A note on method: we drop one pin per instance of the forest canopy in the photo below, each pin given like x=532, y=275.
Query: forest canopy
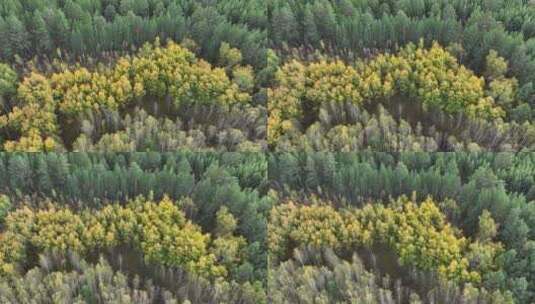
x=267, y=151
x=491, y=41
x=411, y=75
x=164, y=221
x=418, y=227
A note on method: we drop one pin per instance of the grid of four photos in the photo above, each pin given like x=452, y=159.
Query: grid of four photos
x=267, y=151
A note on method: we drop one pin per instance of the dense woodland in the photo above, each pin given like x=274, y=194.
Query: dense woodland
x=402, y=75
x=133, y=228
x=83, y=75
x=277, y=151
x=429, y=227
x=285, y=75
x=276, y=228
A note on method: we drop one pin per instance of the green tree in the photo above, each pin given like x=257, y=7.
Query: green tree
x=19, y=171
x=58, y=169
x=8, y=84
x=284, y=26
x=311, y=35
x=325, y=20
x=16, y=37
x=58, y=27
x=41, y=39
x=42, y=178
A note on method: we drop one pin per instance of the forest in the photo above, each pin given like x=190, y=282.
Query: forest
x=133, y=228
x=402, y=227
x=132, y=75
x=192, y=227
x=407, y=75
x=276, y=75
x=267, y=151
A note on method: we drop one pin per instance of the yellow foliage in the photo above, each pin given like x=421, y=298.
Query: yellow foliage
x=156, y=71
x=160, y=230
x=418, y=233
x=431, y=76
x=33, y=142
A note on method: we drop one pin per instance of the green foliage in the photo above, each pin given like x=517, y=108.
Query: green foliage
x=8, y=82
x=98, y=28
x=484, y=39
x=474, y=240
x=205, y=245
x=351, y=29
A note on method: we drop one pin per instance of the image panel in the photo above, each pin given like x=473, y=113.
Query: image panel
x=133, y=228
x=398, y=76
x=401, y=228
x=136, y=75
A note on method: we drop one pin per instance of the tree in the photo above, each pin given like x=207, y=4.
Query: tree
x=20, y=172
x=325, y=20
x=244, y=78
x=8, y=84
x=504, y=92
x=43, y=181
x=229, y=56
x=515, y=230
x=496, y=66
x=17, y=37
x=5, y=207
x=311, y=35
x=110, y=12
x=41, y=39
x=58, y=27
x=284, y=26
x=126, y=6
x=487, y=227
x=58, y=169
x=225, y=222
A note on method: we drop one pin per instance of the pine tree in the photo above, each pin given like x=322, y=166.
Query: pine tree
x=20, y=173
x=325, y=21
x=311, y=36
x=58, y=27
x=17, y=38
x=8, y=86
x=58, y=169
x=44, y=183
x=284, y=26
x=41, y=39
